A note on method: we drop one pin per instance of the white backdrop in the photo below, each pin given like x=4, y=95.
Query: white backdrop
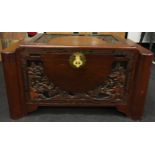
x=135, y=36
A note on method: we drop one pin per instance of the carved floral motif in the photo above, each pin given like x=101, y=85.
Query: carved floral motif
x=41, y=88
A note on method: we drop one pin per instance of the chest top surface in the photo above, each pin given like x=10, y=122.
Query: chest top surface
x=78, y=41
x=97, y=41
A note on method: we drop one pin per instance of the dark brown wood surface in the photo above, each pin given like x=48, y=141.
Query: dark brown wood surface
x=14, y=92
x=82, y=79
x=38, y=73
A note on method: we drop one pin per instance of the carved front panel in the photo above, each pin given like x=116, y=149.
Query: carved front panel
x=112, y=86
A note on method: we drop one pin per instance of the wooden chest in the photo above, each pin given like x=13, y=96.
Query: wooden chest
x=76, y=71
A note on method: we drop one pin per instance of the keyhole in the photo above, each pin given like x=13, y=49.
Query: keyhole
x=77, y=61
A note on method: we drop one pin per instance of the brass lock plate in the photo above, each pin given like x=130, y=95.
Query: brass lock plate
x=77, y=60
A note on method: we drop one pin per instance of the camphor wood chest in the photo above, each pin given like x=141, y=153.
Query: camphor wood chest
x=76, y=71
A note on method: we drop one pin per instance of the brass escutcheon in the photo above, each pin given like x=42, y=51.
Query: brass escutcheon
x=77, y=60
